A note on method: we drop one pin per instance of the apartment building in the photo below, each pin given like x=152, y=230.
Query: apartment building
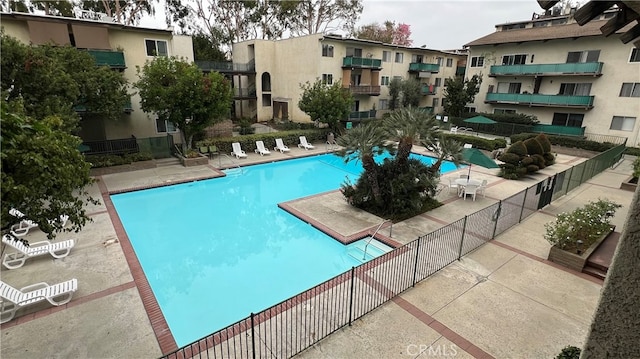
x=567, y=75
x=276, y=69
x=118, y=46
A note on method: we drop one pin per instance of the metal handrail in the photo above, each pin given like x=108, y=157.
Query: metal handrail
x=373, y=235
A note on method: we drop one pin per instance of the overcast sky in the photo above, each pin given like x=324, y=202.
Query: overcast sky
x=439, y=24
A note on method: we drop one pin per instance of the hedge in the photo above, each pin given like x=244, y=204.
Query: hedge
x=567, y=141
x=248, y=142
x=478, y=142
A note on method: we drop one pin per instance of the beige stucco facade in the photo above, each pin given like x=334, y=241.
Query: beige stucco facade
x=129, y=40
x=366, y=67
x=612, y=111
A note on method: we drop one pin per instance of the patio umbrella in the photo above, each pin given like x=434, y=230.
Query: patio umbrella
x=481, y=120
x=474, y=156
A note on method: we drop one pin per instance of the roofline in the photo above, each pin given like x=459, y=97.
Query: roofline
x=49, y=18
x=380, y=43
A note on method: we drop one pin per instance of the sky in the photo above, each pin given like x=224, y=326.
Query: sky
x=438, y=24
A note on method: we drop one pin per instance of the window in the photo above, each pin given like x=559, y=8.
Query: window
x=435, y=102
x=386, y=56
x=383, y=104
x=503, y=110
x=477, y=61
x=509, y=87
x=583, y=56
x=385, y=80
x=164, y=126
x=416, y=58
x=469, y=109
x=520, y=59
x=570, y=89
x=513, y=26
x=327, y=50
x=567, y=119
x=449, y=62
x=438, y=82
x=635, y=55
x=327, y=79
x=623, y=123
x=399, y=57
x=541, y=23
x=266, y=100
x=439, y=61
x=156, y=47
x=558, y=21
x=630, y=89
x=354, y=52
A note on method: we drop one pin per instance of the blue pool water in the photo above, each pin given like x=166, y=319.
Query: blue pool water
x=216, y=250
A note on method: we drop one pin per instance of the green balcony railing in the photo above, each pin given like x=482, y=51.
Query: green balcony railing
x=580, y=68
x=559, y=130
x=362, y=115
x=228, y=66
x=420, y=67
x=540, y=100
x=429, y=90
x=114, y=59
x=361, y=62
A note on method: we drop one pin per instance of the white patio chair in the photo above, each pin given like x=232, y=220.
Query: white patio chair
x=453, y=185
x=25, y=225
x=14, y=299
x=468, y=145
x=483, y=187
x=237, y=150
x=23, y=252
x=304, y=144
x=454, y=129
x=280, y=146
x=261, y=149
x=469, y=190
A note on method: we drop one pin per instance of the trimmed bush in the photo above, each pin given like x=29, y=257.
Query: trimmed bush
x=248, y=142
x=549, y=158
x=538, y=160
x=544, y=142
x=532, y=168
x=518, y=148
x=533, y=146
x=511, y=158
x=99, y=161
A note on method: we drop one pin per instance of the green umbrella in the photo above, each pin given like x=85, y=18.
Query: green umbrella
x=474, y=156
x=481, y=120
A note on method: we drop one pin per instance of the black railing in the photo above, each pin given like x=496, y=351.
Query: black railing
x=112, y=147
x=297, y=323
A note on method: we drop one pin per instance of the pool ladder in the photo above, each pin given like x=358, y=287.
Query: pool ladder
x=235, y=165
x=373, y=235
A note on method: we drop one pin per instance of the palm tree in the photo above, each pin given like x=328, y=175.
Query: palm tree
x=406, y=126
x=364, y=143
x=446, y=149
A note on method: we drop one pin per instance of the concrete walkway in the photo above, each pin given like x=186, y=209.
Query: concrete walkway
x=502, y=300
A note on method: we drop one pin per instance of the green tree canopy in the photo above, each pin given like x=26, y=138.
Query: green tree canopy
x=51, y=81
x=43, y=173
x=388, y=33
x=177, y=91
x=325, y=103
x=205, y=49
x=458, y=93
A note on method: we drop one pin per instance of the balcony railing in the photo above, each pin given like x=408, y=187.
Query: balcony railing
x=362, y=115
x=114, y=59
x=421, y=67
x=365, y=90
x=244, y=91
x=429, y=90
x=361, y=62
x=208, y=66
x=580, y=68
x=541, y=100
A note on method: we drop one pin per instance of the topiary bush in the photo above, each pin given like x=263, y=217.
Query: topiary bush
x=518, y=148
x=569, y=352
x=533, y=146
x=544, y=142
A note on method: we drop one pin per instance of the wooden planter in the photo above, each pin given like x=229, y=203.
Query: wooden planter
x=573, y=260
x=627, y=185
x=195, y=161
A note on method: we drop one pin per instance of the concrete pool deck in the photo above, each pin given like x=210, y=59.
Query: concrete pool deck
x=502, y=300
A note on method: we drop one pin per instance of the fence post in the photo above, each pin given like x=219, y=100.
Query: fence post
x=566, y=190
x=415, y=267
x=524, y=201
x=253, y=338
x=464, y=230
x=496, y=217
x=353, y=269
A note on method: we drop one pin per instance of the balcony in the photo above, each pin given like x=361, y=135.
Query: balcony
x=538, y=100
x=208, y=66
x=580, y=68
x=113, y=59
x=362, y=115
x=421, y=67
x=361, y=62
x=365, y=90
x=429, y=90
x=244, y=92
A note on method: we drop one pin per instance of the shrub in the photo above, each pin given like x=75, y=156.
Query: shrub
x=569, y=352
x=533, y=146
x=539, y=161
x=579, y=229
x=532, y=168
x=518, y=148
x=549, y=158
x=511, y=158
x=99, y=161
x=636, y=168
x=544, y=142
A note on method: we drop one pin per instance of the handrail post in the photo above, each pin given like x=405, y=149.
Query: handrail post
x=497, y=217
x=415, y=266
x=253, y=338
x=353, y=269
x=524, y=201
x=464, y=229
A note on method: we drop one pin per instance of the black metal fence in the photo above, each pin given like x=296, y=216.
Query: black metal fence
x=297, y=323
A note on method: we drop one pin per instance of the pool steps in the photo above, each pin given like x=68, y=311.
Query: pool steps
x=375, y=249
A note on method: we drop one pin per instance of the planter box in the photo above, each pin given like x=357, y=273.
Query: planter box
x=573, y=260
x=195, y=161
x=627, y=185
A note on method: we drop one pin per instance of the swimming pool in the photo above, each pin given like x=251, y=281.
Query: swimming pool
x=216, y=250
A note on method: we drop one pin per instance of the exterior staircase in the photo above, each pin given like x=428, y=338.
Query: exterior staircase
x=599, y=261
x=169, y=161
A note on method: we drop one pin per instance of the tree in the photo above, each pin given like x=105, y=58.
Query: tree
x=445, y=148
x=459, y=92
x=177, y=91
x=325, y=103
x=411, y=93
x=205, y=49
x=312, y=17
x=406, y=126
x=53, y=80
x=389, y=33
x=43, y=173
x=395, y=89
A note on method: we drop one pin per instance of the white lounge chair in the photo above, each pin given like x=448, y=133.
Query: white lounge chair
x=14, y=299
x=261, y=149
x=16, y=260
x=304, y=144
x=454, y=129
x=237, y=150
x=280, y=146
x=25, y=225
x=468, y=145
